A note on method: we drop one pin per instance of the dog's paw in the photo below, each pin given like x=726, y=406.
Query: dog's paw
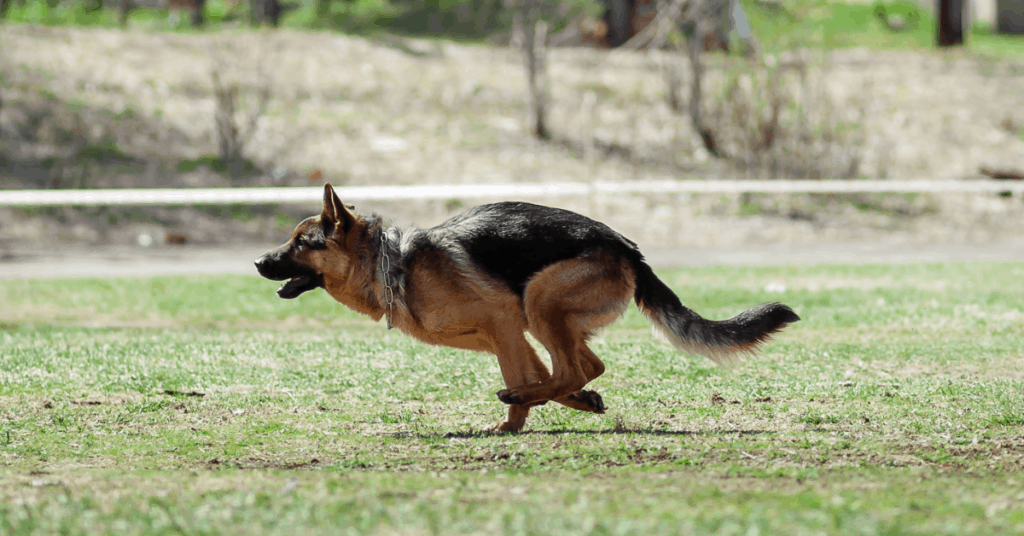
x=509, y=397
x=591, y=399
x=508, y=427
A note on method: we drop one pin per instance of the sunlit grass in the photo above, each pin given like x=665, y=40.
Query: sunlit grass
x=804, y=23
x=823, y=24
x=208, y=405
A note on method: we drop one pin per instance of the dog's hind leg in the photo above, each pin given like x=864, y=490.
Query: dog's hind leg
x=565, y=303
x=524, y=367
x=585, y=400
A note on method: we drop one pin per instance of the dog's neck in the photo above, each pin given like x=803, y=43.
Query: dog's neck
x=390, y=275
x=358, y=286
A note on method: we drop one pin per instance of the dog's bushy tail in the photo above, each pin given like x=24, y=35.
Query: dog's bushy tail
x=721, y=341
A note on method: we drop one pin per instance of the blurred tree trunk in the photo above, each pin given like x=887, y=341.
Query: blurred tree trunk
x=696, y=46
x=229, y=148
x=619, y=17
x=951, y=23
x=673, y=80
x=663, y=24
x=198, y=16
x=123, y=8
x=482, y=15
x=255, y=8
x=272, y=12
x=534, y=49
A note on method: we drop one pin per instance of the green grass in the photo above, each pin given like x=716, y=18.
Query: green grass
x=824, y=24
x=106, y=151
x=218, y=165
x=84, y=13
x=352, y=16
x=205, y=405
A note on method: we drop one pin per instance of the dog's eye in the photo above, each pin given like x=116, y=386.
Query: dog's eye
x=314, y=244
x=308, y=244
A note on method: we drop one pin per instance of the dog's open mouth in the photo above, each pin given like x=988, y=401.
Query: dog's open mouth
x=297, y=285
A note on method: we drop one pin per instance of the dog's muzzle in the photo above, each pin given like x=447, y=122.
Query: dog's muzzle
x=276, y=267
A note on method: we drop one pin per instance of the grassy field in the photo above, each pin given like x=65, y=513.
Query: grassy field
x=205, y=405
x=824, y=24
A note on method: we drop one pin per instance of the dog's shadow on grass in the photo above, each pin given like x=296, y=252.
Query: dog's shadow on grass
x=476, y=434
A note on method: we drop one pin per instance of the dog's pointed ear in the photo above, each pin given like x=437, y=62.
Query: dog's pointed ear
x=335, y=215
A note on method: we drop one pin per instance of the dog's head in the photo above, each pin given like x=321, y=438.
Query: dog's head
x=317, y=245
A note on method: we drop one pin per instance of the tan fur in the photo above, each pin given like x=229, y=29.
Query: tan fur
x=563, y=306
x=444, y=286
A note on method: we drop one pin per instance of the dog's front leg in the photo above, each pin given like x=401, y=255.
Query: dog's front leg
x=520, y=366
x=516, y=419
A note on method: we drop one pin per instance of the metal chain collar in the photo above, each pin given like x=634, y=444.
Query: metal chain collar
x=385, y=267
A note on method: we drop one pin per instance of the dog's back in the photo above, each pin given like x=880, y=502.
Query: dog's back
x=513, y=241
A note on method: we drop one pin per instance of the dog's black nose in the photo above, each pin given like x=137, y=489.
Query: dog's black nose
x=267, y=268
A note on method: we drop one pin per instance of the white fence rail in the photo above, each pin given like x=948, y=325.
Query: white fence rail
x=223, y=196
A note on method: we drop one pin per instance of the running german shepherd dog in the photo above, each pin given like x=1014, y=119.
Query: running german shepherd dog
x=482, y=279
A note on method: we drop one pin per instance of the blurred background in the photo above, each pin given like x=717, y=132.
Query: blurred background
x=257, y=93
